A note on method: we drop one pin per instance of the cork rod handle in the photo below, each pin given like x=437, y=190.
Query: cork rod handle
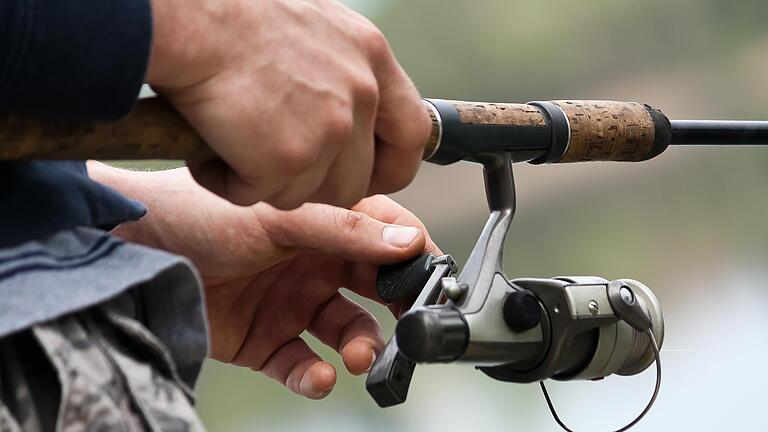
x=153, y=130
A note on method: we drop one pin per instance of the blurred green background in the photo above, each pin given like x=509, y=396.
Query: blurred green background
x=691, y=224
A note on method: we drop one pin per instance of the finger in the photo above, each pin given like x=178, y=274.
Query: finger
x=299, y=369
x=215, y=175
x=361, y=279
x=238, y=174
x=386, y=210
x=304, y=187
x=402, y=126
x=351, y=330
x=349, y=177
x=352, y=235
x=340, y=173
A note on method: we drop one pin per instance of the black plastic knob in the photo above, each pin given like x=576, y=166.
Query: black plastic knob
x=405, y=280
x=432, y=334
x=521, y=310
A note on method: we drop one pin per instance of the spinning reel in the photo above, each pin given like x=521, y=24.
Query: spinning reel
x=521, y=330
x=528, y=330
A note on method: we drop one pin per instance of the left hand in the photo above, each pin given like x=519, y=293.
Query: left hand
x=300, y=100
x=270, y=275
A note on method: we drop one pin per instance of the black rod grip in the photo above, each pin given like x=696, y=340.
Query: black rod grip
x=405, y=280
x=469, y=129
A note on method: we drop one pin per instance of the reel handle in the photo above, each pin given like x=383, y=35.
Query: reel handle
x=404, y=280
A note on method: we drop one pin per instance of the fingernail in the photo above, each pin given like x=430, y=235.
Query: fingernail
x=399, y=236
x=307, y=388
x=373, y=360
x=305, y=385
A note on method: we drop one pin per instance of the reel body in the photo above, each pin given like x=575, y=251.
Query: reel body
x=521, y=330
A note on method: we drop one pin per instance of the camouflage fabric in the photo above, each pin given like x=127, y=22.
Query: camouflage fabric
x=95, y=370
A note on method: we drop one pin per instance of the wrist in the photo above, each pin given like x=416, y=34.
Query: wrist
x=124, y=181
x=183, y=41
x=132, y=184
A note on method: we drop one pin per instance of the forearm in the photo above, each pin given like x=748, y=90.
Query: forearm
x=141, y=186
x=178, y=208
x=183, y=217
x=131, y=183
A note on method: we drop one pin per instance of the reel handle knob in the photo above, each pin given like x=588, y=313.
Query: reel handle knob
x=405, y=280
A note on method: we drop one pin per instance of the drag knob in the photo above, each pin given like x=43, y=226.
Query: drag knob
x=521, y=310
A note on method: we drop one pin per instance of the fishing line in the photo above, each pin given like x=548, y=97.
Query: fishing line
x=657, y=387
x=705, y=350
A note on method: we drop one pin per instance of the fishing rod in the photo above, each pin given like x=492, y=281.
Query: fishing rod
x=537, y=132
x=521, y=330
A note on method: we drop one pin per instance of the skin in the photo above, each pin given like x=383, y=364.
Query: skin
x=300, y=100
x=269, y=274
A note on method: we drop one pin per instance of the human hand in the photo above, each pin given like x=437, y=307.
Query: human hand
x=269, y=275
x=301, y=100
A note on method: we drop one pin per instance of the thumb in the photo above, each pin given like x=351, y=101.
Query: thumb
x=352, y=235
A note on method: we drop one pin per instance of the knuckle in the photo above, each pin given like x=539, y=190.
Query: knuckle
x=339, y=125
x=374, y=40
x=400, y=179
x=349, y=220
x=296, y=157
x=366, y=92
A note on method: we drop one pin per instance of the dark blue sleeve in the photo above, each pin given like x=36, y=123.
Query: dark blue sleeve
x=81, y=59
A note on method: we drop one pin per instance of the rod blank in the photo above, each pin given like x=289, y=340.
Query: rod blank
x=719, y=132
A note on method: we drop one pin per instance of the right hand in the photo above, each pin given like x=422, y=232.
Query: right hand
x=271, y=275
x=301, y=100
